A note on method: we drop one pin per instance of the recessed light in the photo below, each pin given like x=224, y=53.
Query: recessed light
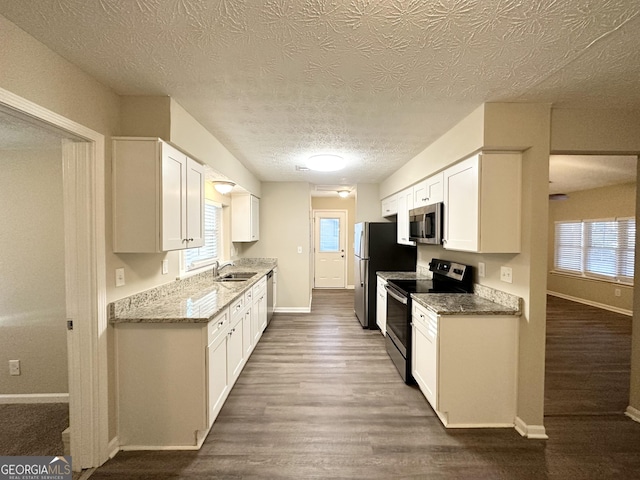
x=325, y=163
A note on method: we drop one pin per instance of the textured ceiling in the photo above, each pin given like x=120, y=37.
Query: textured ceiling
x=570, y=173
x=374, y=81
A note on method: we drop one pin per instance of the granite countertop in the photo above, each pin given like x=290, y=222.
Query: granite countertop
x=196, y=299
x=463, y=304
x=402, y=276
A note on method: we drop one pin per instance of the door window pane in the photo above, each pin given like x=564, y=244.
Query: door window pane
x=329, y=235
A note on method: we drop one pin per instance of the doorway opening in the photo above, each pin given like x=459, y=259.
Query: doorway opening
x=80, y=153
x=588, y=348
x=329, y=248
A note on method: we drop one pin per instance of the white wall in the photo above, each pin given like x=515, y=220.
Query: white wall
x=32, y=292
x=285, y=225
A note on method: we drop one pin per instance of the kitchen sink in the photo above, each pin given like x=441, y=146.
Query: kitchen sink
x=235, y=277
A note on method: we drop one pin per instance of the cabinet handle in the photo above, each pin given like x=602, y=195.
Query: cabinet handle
x=221, y=323
x=425, y=199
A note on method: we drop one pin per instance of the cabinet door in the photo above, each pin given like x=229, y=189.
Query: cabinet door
x=216, y=376
x=234, y=351
x=256, y=332
x=381, y=307
x=390, y=206
x=195, y=204
x=262, y=312
x=425, y=356
x=461, y=205
x=255, y=218
x=174, y=188
x=434, y=187
x=420, y=194
x=247, y=337
x=405, y=203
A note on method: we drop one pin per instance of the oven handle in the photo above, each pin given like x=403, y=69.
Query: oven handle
x=395, y=294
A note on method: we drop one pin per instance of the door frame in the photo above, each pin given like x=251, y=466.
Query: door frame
x=85, y=280
x=346, y=239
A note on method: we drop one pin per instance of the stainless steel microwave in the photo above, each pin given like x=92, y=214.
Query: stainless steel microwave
x=425, y=224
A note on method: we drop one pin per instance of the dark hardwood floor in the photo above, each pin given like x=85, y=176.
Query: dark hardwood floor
x=588, y=360
x=319, y=398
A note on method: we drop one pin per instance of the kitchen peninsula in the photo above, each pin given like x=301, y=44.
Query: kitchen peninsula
x=179, y=349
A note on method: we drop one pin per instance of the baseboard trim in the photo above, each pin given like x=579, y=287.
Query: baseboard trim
x=34, y=398
x=293, y=310
x=534, y=432
x=633, y=414
x=603, y=306
x=113, y=447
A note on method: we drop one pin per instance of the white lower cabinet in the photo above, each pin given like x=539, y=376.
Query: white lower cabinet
x=173, y=378
x=217, y=377
x=235, y=351
x=466, y=366
x=259, y=309
x=381, y=306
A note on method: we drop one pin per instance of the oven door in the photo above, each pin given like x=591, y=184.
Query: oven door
x=397, y=318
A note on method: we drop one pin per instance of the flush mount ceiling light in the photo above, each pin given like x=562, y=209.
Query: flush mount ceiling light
x=223, y=187
x=343, y=193
x=325, y=163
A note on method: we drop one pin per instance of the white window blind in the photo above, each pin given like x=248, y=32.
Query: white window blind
x=209, y=252
x=597, y=248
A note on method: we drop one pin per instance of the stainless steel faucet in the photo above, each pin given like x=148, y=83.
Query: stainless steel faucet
x=216, y=266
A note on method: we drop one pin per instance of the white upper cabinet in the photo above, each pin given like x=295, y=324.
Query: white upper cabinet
x=405, y=203
x=482, y=198
x=428, y=191
x=245, y=218
x=158, y=197
x=390, y=206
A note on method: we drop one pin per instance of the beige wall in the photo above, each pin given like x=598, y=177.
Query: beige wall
x=32, y=293
x=462, y=140
x=523, y=127
x=285, y=225
x=348, y=204
x=191, y=136
x=368, y=203
x=607, y=202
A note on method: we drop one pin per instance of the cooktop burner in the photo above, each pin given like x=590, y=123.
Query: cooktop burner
x=448, y=277
x=413, y=286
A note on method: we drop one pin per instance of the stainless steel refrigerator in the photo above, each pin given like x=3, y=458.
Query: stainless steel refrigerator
x=376, y=249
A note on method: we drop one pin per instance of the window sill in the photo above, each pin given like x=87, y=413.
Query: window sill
x=590, y=279
x=195, y=271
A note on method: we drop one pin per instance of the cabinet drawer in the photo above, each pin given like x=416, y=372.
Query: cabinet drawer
x=260, y=288
x=236, y=308
x=217, y=326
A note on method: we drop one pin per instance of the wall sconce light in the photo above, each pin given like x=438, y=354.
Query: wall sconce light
x=343, y=193
x=223, y=187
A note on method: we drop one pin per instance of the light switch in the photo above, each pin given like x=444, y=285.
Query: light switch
x=299, y=249
x=119, y=277
x=481, y=271
x=165, y=266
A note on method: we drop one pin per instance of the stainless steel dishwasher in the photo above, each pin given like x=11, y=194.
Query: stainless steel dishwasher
x=269, y=297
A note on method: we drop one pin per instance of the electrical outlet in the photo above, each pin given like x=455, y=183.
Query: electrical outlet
x=481, y=271
x=14, y=367
x=165, y=266
x=617, y=292
x=506, y=274
x=119, y=277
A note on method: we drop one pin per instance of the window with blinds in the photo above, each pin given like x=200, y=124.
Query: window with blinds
x=208, y=253
x=602, y=249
